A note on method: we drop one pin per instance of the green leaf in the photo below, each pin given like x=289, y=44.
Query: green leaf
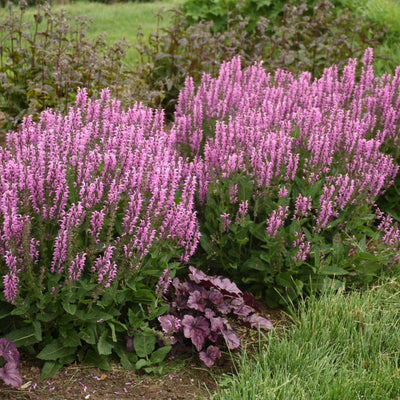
x=332, y=270
x=37, y=326
x=69, y=308
x=259, y=231
x=206, y=244
x=369, y=268
x=46, y=317
x=144, y=343
x=128, y=360
x=56, y=350
x=88, y=334
x=93, y=316
x=5, y=310
x=104, y=347
x=24, y=336
x=254, y=263
x=113, y=335
x=99, y=361
x=49, y=369
x=160, y=354
x=142, y=363
x=69, y=333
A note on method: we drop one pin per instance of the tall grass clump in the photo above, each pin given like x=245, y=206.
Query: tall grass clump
x=289, y=170
x=94, y=206
x=342, y=346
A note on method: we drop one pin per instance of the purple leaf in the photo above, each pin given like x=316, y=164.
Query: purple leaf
x=232, y=340
x=210, y=355
x=208, y=313
x=197, y=275
x=196, y=328
x=250, y=301
x=10, y=374
x=220, y=283
x=213, y=336
x=196, y=301
x=217, y=324
x=215, y=296
x=256, y=322
x=9, y=351
x=239, y=307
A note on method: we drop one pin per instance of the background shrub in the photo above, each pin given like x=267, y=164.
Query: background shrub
x=47, y=56
x=300, y=38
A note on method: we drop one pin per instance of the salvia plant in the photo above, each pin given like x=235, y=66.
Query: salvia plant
x=10, y=356
x=199, y=310
x=289, y=170
x=94, y=206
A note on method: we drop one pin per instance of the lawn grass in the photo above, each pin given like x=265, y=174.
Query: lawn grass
x=123, y=20
x=342, y=346
x=385, y=13
x=118, y=20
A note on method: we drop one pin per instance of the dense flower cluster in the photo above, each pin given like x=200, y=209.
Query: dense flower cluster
x=278, y=129
x=98, y=187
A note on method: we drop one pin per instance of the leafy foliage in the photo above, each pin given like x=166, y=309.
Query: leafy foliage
x=199, y=311
x=220, y=12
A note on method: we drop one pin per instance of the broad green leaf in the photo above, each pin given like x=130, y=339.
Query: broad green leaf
x=206, y=244
x=46, y=316
x=98, y=360
x=369, y=268
x=24, y=336
x=113, y=335
x=56, y=350
x=88, y=334
x=142, y=363
x=38, y=330
x=255, y=263
x=104, y=347
x=93, y=316
x=128, y=360
x=144, y=343
x=70, y=308
x=160, y=354
x=49, y=369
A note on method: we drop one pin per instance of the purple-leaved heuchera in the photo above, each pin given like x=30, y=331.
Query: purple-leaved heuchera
x=9, y=372
x=200, y=310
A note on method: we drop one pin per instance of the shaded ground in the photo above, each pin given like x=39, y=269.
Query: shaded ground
x=79, y=382
x=183, y=380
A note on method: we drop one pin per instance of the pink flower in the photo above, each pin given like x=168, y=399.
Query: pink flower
x=276, y=220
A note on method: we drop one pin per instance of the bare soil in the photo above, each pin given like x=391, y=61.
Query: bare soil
x=81, y=382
